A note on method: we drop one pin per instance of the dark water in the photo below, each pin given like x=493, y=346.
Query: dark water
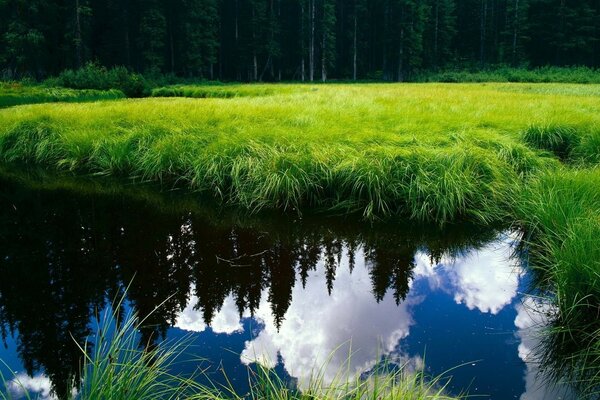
x=285, y=292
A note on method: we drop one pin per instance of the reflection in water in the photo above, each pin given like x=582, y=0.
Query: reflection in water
x=533, y=315
x=63, y=256
x=23, y=384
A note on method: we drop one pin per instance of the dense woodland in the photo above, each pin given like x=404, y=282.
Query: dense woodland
x=271, y=40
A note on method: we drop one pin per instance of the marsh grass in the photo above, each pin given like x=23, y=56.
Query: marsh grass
x=13, y=94
x=227, y=91
x=419, y=151
x=562, y=213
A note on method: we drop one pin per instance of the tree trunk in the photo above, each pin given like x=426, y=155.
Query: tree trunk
x=78, y=36
x=324, y=58
x=302, y=49
x=401, y=57
x=237, y=42
x=354, y=58
x=254, y=66
x=172, y=50
x=436, y=33
x=311, y=54
x=515, y=34
x=385, y=30
x=483, y=33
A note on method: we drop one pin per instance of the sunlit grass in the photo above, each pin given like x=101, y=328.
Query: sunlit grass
x=562, y=214
x=431, y=152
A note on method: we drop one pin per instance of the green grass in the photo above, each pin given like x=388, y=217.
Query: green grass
x=226, y=91
x=508, y=74
x=561, y=212
x=430, y=152
x=13, y=94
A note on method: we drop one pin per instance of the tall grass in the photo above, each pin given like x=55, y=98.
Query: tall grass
x=509, y=74
x=422, y=151
x=13, y=94
x=562, y=213
x=217, y=90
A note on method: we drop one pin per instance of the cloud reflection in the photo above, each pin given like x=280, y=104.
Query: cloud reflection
x=487, y=279
x=347, y=331
x=322, y=331
x=227, y=320
x=532, y=316
x=316, y=323
x=25, y=386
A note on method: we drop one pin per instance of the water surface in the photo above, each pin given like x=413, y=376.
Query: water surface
x=286, y=292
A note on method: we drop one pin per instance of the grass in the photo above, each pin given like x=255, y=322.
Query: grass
x=430, y=152
x=421, y=151
x=13, y=94
x=509, y=74
x=561, y=212
x=226, y=91
x=117, y=367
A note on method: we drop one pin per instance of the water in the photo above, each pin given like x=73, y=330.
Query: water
x=288, y=293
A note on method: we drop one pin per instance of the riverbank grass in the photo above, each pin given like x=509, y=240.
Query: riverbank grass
x=428, y=151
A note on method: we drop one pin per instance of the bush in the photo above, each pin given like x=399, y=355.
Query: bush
x=93, y=76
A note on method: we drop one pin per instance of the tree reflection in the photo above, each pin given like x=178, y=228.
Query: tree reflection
x=64, y=256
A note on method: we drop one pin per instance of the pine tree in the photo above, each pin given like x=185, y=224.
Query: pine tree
x=328, y=38
x=201, y=36
x=152, y=36
x=440, y=32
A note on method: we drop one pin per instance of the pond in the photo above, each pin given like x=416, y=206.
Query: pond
x=287, y=292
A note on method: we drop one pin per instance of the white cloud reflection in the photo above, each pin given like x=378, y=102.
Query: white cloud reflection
x=321, y=330
x=25, y=386
x=227, y=320
x=532, y=316
x=487, y=279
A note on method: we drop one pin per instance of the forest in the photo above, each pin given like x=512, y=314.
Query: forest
x=301, y=40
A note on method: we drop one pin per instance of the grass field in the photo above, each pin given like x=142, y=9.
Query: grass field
x=526, y=153
x=433, y=152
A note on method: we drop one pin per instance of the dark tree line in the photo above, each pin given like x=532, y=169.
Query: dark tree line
x=270, y=40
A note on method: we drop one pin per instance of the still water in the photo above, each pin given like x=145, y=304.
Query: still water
x=285, y=292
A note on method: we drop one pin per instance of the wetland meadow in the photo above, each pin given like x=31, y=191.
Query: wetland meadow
x=238, y=222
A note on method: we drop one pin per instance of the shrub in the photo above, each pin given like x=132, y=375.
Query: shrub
x=93, y=76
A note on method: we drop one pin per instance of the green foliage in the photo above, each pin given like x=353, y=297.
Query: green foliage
x=93, y=76
x=12, y=94
x=506, y=74
x=269, y=40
